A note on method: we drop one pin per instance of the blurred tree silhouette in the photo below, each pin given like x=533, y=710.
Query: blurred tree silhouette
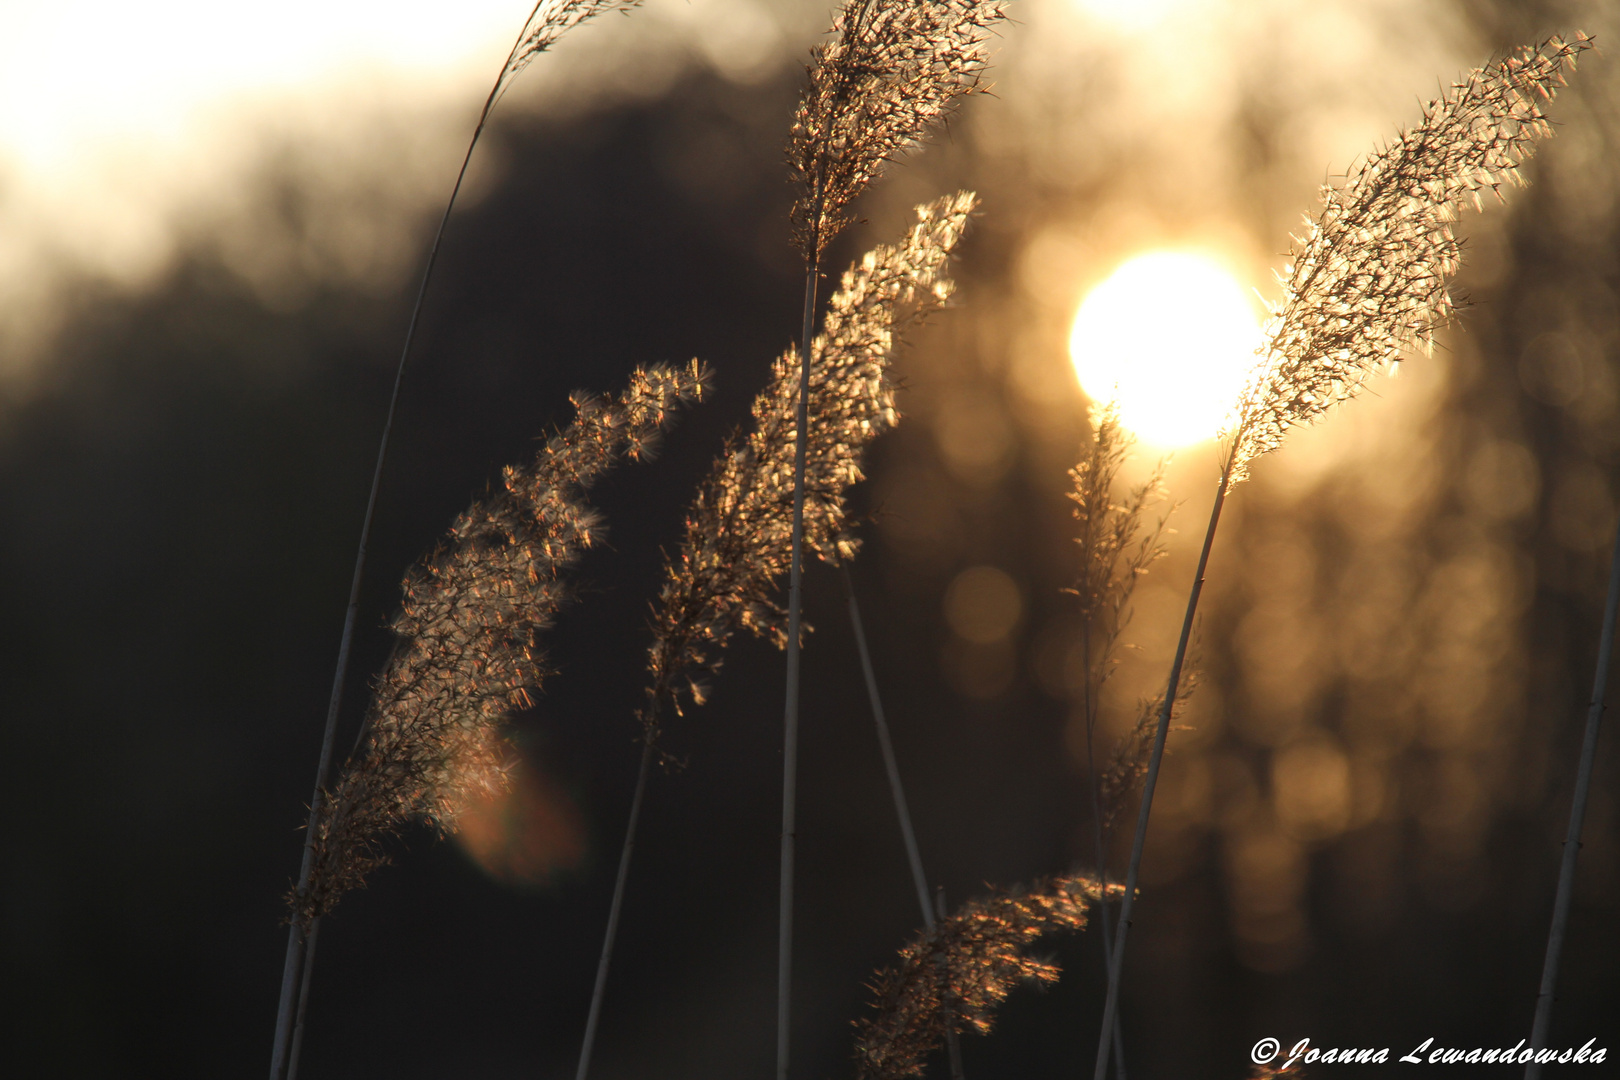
x=1360, y=838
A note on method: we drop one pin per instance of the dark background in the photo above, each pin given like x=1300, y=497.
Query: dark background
x=183, y=492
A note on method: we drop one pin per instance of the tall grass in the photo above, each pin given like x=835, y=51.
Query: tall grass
x=1116, y=546
x=769, y=488
x=951, y=976
x=1542, y=1022
x=466, y=650
x=892, y=69
x=1367, y=282
x=548, y=21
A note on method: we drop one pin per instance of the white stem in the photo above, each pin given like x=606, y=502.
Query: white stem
x=790, y=711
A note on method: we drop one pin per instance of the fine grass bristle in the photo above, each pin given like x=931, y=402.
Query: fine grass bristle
x=953, y=976
x=548, y=22
x=1368, y=281
x=892, y=69
x=726, y=574
x=467, y=652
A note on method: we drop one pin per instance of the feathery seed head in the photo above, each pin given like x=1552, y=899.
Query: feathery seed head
x=951, y=978
x=893, y=68
x=1368, y=280
x=740, y=526
x=550, y=20
x=1116, y=545
x=466, y=654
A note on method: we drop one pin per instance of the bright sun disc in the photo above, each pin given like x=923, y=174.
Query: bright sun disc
x=1171, y=335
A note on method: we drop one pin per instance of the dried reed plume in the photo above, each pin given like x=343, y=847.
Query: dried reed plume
x=748, y=511
x=1117, y=545
x=467, y=654
x=952, y=977
x=1127, y=764
x=1116, y=548
x=1367, y=281
x=894, y=68
x=737, y=545
x=547, y=22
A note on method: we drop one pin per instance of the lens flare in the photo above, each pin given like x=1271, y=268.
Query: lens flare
x=1171, y=335
x=526, y=834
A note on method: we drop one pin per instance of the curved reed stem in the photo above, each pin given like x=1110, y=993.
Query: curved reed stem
x=295, y=968
x=1577, y=816
x=890, y=766
x=919, y=880
x=547, y=21
x=790, y=711
x=1133, y=872
x=612, y=932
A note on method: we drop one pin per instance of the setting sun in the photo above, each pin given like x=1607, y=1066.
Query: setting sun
x=1171, y=335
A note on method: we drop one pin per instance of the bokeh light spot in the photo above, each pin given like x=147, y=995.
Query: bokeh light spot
x=983, y=605
x=524, y=835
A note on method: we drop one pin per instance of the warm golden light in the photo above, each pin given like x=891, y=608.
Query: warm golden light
x=1170, y=335
x=1136, y=14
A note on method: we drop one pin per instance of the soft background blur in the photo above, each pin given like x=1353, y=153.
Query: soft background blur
x=211, y=218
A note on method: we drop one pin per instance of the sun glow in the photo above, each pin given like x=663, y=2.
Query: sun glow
x=1133, y=14
x=1170, y=335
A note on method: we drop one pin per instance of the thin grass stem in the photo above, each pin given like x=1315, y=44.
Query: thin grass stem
x=1577, y=816
x=1103, y=917
x=919, y=880
x=1133, y=872
x=614, y=909
x=303, y=1000
x=953, y=1042
x=790, y=711
x=296, y=967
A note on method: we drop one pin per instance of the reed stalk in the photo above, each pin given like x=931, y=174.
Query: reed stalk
x=1577, y=817
x=892, y=70
x=547, y=22
x=790, y=708
x=891, y=767
x=612, y=935
x=466, y=653
x=897, y=791
x=1116, y=547
x=1367, y=282
x=738, y=534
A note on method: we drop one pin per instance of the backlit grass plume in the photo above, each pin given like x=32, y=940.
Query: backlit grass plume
x=952, y=977
x=467, y=654
x=1368, y=281
x=739, y=531
x=548, y=21
x=892, y=69
x=728, y=570
x=1116, y=545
